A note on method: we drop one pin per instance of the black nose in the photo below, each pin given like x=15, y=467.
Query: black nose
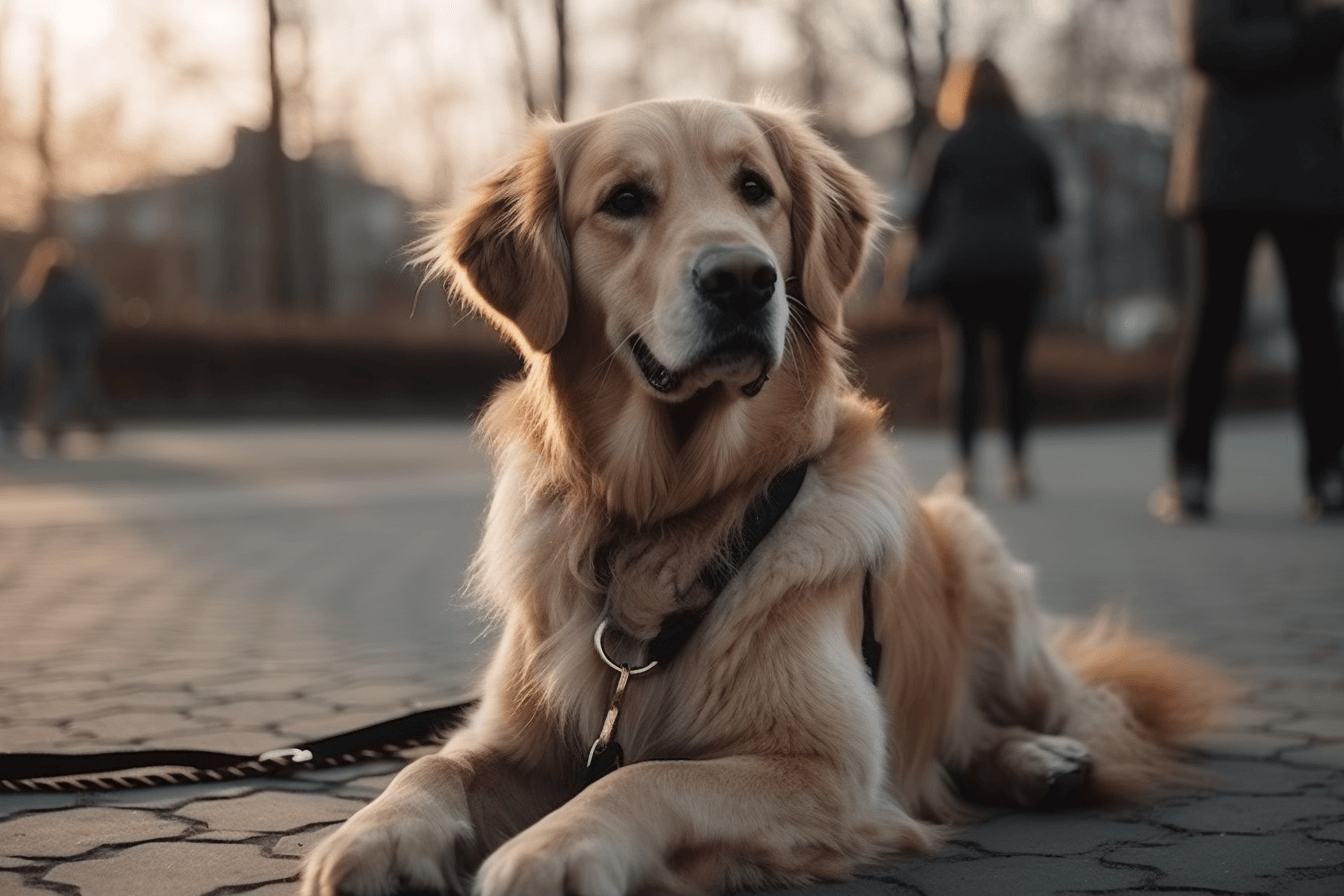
x=740, y=280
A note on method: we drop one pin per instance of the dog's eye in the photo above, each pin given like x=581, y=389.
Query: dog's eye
x=754, y=189
x=628, y=201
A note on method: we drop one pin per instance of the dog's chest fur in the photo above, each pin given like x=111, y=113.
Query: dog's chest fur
x=731, y=671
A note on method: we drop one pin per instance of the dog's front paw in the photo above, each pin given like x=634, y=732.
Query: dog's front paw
x=539, y=862
x=389, y=853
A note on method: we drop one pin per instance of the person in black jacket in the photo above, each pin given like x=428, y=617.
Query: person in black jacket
x=1259, y=151
x=69, y=313
x=57, y=317
x=990, y=200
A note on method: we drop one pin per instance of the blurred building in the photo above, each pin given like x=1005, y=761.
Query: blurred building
x=196, y=244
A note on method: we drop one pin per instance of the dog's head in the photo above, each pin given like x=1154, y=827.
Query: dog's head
x=683, y=231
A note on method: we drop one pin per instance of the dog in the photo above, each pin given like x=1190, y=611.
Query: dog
x=686, y=452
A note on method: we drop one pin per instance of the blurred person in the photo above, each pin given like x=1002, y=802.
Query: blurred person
x=22, y=344
x=1259, y=151
x=982, y=221
x=61, y=322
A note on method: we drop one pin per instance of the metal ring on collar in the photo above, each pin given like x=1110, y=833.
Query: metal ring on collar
x=602, y=652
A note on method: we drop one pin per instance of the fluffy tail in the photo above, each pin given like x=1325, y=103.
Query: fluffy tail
x=1146, y=699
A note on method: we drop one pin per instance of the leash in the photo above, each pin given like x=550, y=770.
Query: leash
x=30, y=772
x=762, y=514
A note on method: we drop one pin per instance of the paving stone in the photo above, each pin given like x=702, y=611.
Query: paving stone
x=285, y=889
x=1329, y=885
x=314, y=726
x=1063, y=834
x=362, y=773
x=299, y=845
x=1323, y=755
x=1230, y=862
x=1018, y=874
x=223, y=739
x=134, y=727
x=262, y=713
x=177, y=795
x=1333, y=832
x=76, y=831
x=1261, y=778
x=1309, y=700
x=388, y=696
x=182, y=869
x=1248, y=814
x=270, y=811
x=223, y=836
x=14, y=885
x=372, y=785
x=860, y=886
x=12, y=804
x=1331, y=729
x=29, y=738
x=1247, y=718
x=1249, y=744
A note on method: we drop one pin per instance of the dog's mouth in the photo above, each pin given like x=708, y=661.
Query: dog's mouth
x=655, y=374
x=734, y=352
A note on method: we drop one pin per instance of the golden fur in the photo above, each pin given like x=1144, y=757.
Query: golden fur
x=763, y=753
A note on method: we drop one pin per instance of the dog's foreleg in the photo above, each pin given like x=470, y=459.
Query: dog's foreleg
x=429, y=829
x=702, y=825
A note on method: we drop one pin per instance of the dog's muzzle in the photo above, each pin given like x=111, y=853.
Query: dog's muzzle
x=732, y=288
x=738, y=281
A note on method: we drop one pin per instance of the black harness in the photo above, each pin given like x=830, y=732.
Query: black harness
x=762, y=514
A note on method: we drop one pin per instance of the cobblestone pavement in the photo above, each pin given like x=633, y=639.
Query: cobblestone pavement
x=242, y=588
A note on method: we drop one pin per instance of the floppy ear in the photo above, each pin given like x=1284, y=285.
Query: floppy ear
x=835, y=211
x=506, y=254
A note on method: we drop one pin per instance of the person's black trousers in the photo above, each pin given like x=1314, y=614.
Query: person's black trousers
x=1008, y=308
x=1306, y=247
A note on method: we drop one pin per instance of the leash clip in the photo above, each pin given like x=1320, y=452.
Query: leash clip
x=605, y=756
x=293, y=754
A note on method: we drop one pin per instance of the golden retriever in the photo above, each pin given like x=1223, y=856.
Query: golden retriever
x=673, y=273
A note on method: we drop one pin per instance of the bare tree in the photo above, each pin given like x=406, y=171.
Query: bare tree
x=561, y=61
x=522, y=57
x=42, y=141
x=512, y=12
x=923, y=86
x=278, y=287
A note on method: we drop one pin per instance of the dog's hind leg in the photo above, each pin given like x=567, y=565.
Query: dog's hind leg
x=1026, y=768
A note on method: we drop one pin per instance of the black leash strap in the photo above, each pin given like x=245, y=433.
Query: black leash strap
x=29, y=772
x=761, y=516
x=870, y=647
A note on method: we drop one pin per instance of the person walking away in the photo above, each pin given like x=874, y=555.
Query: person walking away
x=1259, y=151
x=22, y=343
x=990, y=202
x=70, y=321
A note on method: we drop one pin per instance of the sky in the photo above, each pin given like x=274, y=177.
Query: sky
x=425, y=90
